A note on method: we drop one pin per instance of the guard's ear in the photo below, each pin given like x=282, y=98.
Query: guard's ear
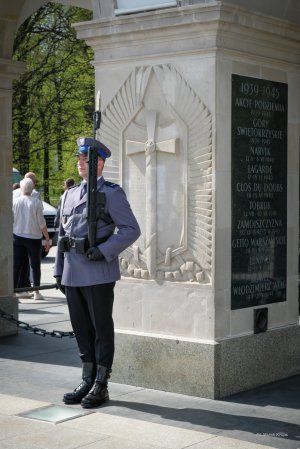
x=100, y=164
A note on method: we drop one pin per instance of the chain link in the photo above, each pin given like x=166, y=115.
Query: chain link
x=35, y=330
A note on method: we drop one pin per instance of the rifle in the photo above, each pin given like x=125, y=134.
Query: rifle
x=95, y=200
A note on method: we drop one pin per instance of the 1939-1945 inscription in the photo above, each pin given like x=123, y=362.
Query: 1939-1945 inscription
x=259, y=192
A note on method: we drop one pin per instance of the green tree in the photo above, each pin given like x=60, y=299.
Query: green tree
x=51, y=100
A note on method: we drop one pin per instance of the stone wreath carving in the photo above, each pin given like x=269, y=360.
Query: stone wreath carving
x=160, y=134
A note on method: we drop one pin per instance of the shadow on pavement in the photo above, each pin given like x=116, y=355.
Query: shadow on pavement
x=215, y=419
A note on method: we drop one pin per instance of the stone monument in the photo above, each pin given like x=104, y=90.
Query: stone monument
x=204, y=135
x=201, y=111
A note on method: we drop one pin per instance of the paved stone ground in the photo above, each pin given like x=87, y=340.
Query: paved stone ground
x=35, y=371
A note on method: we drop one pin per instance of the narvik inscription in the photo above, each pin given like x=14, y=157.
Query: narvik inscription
x=259, y=191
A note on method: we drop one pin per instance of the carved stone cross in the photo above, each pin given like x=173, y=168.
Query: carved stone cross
x=150, y=147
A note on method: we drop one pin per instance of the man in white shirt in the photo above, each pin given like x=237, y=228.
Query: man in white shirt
x=32, y=176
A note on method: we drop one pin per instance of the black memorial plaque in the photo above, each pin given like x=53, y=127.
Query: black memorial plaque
x=259, y=192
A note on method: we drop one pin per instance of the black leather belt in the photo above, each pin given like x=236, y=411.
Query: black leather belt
x=80, y=244
x=72, y=241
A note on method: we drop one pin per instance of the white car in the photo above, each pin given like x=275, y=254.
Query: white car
x=50, y=214
x=16, y=176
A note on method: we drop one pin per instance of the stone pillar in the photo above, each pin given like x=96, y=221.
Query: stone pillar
x=166, y=82
x=8, y=71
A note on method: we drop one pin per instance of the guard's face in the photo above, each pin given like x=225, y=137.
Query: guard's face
x=83, y=166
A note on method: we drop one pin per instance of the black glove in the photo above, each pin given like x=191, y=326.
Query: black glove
x=94, y=253
x=59, y=285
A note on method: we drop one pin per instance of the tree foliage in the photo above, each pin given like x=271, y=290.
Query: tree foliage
x=52, y=99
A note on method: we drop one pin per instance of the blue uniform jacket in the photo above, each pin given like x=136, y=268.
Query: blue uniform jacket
x=76, y=269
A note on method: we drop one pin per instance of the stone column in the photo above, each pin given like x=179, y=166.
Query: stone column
x=8, y=71
x=178, y=326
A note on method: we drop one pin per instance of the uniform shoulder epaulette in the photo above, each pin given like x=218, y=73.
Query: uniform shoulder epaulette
x=111, y=184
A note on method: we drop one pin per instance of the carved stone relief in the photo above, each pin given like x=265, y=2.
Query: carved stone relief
x=160, y=135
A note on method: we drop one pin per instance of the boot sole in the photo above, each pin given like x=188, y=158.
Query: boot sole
x=94, y=404
x=70, y=401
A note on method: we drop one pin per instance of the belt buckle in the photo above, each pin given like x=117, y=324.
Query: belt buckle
x=72, y=242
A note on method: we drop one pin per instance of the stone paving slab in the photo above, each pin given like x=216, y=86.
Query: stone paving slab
x=98, y=430
x=22, y=433
x=136, y=430
x=228, y=443
x=13, y=405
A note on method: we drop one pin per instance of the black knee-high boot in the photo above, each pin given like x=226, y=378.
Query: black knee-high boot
x=99, y=392
x=88, y=377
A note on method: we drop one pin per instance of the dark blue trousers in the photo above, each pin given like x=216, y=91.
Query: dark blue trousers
x=90, y=311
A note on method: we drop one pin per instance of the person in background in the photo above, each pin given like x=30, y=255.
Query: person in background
x=67, y=184
x=28, y=229
x=24, y=280
x=88, y=275
x=16, y=185
x=32, y=176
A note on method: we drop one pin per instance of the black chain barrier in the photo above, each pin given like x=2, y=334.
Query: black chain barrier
x=32, y=289
x=33, y=329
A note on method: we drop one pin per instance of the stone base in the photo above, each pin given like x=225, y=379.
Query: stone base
x=8, y=305
x=206, y=369
x=185, y=310
x=247, y=362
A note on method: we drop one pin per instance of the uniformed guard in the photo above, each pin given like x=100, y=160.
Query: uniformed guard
x=87, y=276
